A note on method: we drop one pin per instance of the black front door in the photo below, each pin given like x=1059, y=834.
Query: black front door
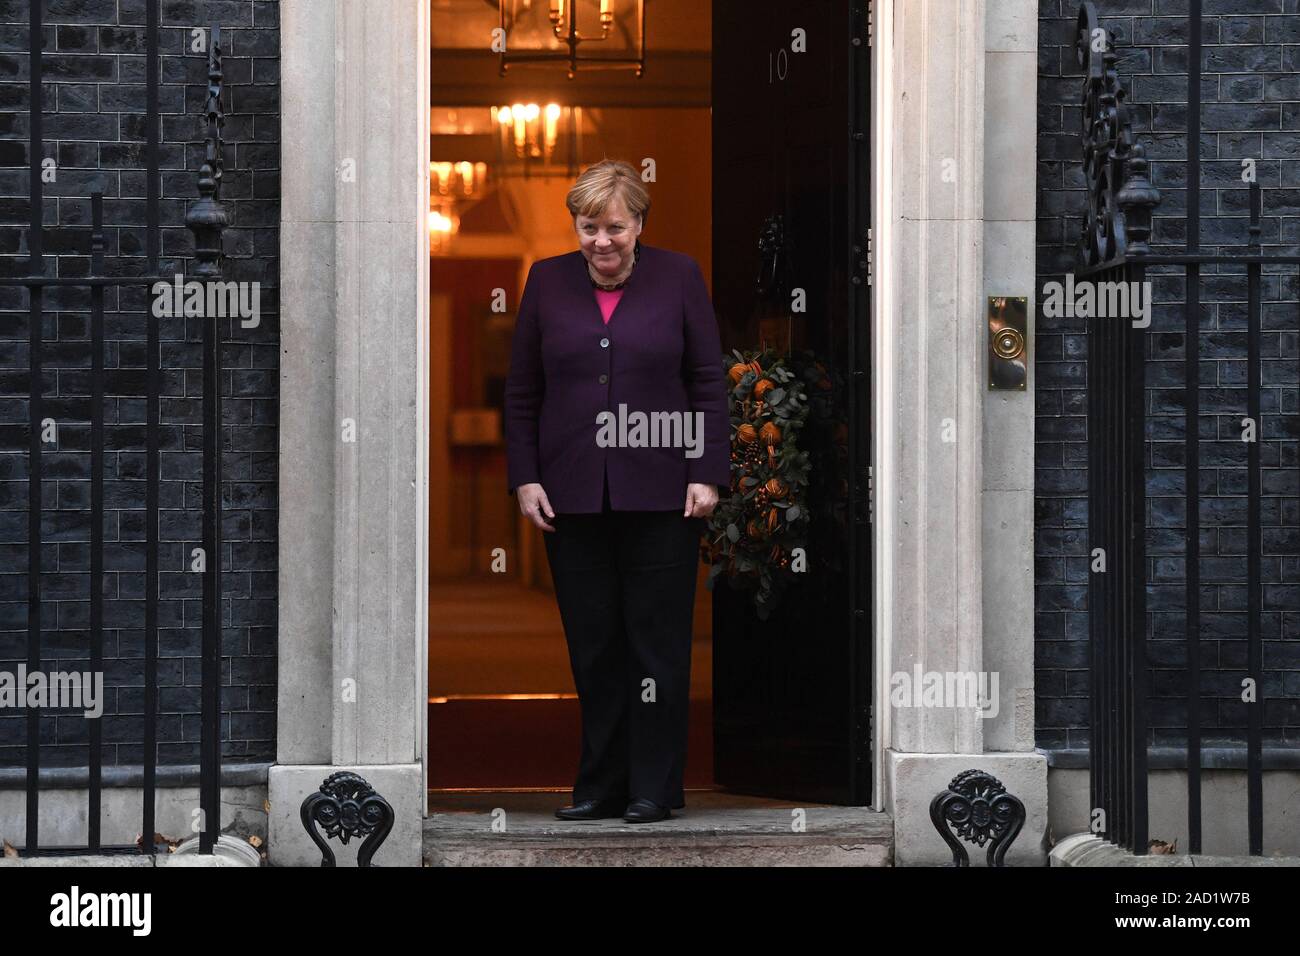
x=791, y=136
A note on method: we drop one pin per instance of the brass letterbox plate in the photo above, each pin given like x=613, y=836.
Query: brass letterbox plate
x=1008, y=342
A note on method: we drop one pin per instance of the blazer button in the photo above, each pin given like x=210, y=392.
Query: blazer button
x=604, y=379
x=604, y=343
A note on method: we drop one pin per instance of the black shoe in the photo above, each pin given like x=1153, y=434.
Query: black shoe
x=592, y=810
x=642, y=810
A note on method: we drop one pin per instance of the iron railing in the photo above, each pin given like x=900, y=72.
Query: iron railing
x=206, y=218
x=1114, y=247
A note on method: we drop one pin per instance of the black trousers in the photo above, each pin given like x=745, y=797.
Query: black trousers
x=625, y=585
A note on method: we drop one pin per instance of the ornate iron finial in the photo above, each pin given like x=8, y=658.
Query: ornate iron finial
x=1120, y=194
x=1138, y=198
x=981, y=811
x=207, y=218
x=346, y=806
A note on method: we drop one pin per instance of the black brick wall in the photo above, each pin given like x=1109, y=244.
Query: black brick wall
x=94, y=103
x=1250, y=108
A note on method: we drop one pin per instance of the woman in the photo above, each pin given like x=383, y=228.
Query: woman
x=617, y=443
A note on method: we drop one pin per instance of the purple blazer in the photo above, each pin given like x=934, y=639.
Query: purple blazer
x=660, y=353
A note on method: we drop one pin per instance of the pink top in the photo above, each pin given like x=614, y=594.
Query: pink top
x=607, y=301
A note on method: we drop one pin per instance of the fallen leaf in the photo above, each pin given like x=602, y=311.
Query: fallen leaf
x=266, y=805
x=255, y=840
x=1160, y=847
x=159, y=839
x=9, y=849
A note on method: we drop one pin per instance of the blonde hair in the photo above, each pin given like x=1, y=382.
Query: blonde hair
x=600, y=182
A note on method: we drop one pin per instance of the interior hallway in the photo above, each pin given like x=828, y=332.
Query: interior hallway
x=503, y=711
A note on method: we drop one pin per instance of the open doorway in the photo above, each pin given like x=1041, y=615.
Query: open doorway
x=741, y=136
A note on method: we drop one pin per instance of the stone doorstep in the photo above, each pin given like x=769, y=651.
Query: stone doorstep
x=708, y=836
x=1086, y=849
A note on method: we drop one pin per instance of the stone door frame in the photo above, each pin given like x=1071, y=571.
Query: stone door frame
x=955, y=223
x=352, y=687
x=353, y=589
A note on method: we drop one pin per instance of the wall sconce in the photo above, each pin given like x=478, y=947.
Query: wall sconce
x=528, y=135
x=449, y=184
x=463, y=180
x=443, y=224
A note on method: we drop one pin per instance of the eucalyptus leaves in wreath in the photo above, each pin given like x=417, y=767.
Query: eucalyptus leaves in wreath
x=754, y=532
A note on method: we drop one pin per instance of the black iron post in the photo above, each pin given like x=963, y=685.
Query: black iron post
x=207, y=219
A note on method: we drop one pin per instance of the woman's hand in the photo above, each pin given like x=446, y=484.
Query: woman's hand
x=701, y=499
x=533, y=503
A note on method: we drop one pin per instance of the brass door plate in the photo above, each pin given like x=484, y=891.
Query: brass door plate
x=1008, y=342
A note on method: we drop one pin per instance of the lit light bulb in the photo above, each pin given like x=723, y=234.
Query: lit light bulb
x=552, y=126
x=518, y=113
